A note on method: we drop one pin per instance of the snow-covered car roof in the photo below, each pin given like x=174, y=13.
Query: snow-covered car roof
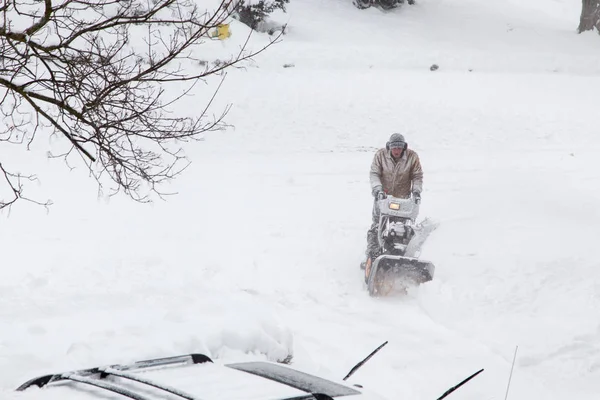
x=197, y=378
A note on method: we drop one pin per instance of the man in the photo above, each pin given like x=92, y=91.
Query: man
x=396, y=171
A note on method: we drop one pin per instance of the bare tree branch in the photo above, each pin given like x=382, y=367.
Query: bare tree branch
x=107, y=76
x=15, y=184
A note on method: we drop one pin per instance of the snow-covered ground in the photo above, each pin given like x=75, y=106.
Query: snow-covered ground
x=258, y=254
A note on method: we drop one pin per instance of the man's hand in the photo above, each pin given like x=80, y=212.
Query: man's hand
x=417, y=197
x=376, y=190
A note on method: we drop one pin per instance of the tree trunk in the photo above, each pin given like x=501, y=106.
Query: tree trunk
x=590, y=16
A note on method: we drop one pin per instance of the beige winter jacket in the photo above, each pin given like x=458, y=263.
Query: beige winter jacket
x=398, y=179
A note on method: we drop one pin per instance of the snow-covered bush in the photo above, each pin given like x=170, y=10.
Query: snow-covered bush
x=254, y=13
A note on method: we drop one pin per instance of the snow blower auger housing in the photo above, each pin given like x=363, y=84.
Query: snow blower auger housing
x=396, y=266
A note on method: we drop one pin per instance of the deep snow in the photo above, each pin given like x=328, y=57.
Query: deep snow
x=257, y=256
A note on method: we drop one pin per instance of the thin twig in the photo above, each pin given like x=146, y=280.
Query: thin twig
x=511, y=372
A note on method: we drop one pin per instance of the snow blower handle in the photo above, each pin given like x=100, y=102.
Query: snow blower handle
x=381, y=195
x=417, y=197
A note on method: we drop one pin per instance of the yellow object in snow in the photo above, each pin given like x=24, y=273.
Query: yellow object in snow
x=222, y=32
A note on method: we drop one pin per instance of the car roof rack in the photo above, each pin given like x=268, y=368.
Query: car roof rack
x=315, y=388
x=84, y=376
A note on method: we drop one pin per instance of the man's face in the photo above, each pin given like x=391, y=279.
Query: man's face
x=397, y=151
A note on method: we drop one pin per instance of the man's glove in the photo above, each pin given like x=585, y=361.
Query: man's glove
x=417, y=197
x=376, y=190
